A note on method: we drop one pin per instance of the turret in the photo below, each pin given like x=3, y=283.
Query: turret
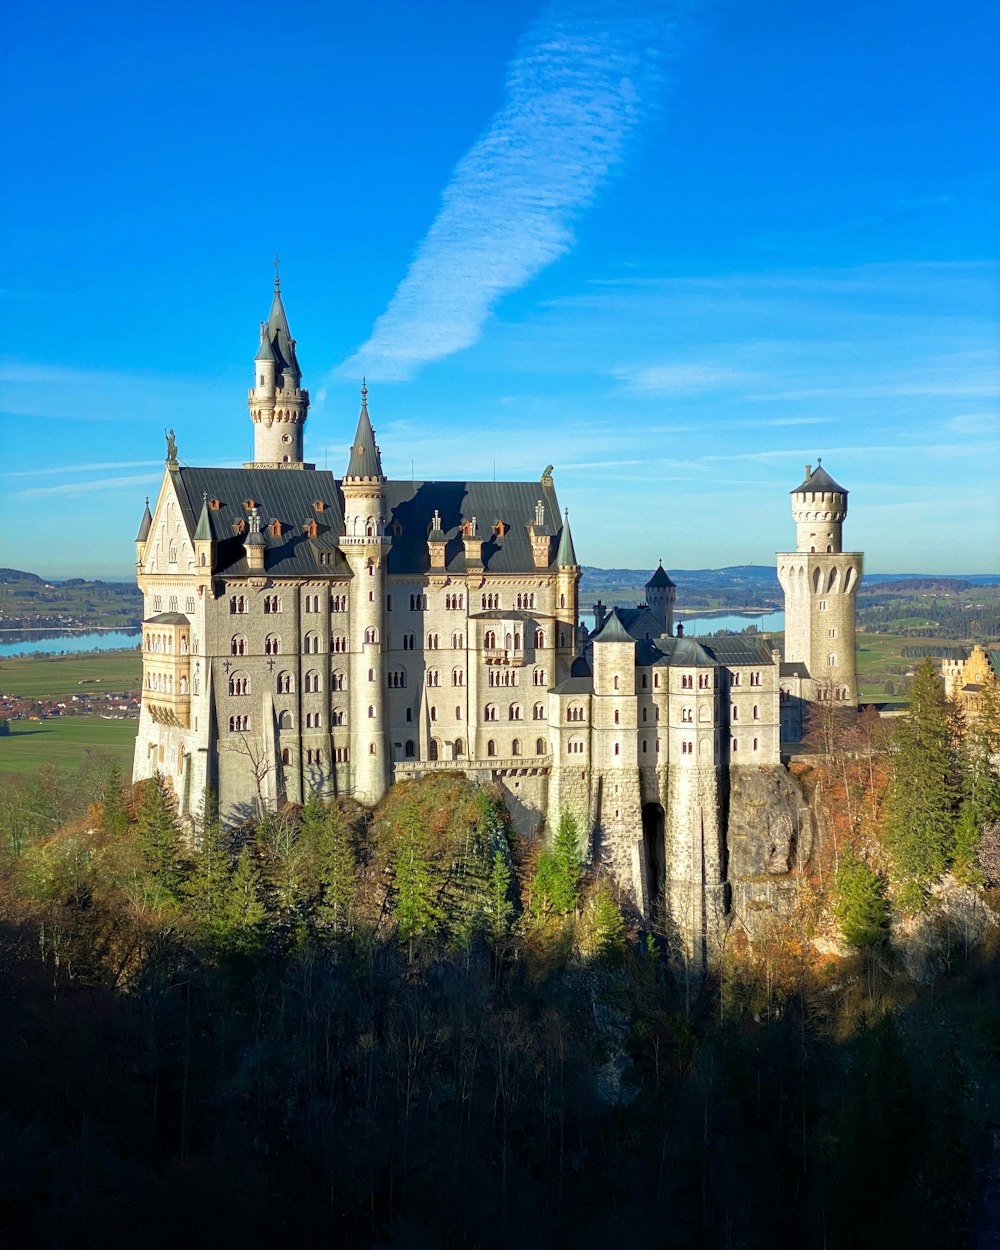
x=204, y=543
x=567, y=601
x=819, y=507
x=365, y=545
x=278, y=405
x=660, y=595
x=820, y=581
x=145, y=525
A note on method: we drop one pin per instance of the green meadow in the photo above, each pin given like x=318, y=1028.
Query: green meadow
x=60, y=676
x=66, y=742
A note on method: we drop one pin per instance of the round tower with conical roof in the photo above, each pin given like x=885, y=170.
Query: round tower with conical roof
x=660, y=595
x=365, y=545
x=820, y=581
x=278, y=404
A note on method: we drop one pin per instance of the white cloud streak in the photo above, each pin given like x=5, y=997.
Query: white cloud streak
x=585, y=77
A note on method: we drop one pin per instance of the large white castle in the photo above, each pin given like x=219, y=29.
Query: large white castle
x=303, y=632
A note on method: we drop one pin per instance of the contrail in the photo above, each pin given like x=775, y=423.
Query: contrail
x=585, y=77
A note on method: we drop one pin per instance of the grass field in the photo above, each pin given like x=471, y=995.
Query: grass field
x=873, y=654
x=58, y=676
x=66, y=742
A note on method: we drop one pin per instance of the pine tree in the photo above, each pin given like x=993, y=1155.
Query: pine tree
x=607, y=927
x=498, y=907
x=337, y=872
x=240, y=930
x=861, y=905
x=980, y=784
x=158, y=836
x=207, y=888
x=564, y=888
x=923, y=791
x=415, y=903
x=114, y=812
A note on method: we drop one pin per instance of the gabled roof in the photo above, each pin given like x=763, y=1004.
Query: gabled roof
x=144, y=525
x=659, y=579
x=280, y=495
x=366, y=460
x=167, y=618
x=613, y=630
x=736, y=649
x=410, y=506
x=689, y=653
x=566, y=556
x=819, y=482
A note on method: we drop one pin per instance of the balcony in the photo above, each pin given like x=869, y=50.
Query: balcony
x=501, y=655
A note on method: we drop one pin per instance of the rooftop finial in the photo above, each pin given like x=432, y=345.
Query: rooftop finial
x=277, y=277
x=819, y=461
x=364, y=390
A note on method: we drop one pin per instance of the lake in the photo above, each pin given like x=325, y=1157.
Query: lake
x=46, y=642
x=766, y=622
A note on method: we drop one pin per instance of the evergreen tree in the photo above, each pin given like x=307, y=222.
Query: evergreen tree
x=207, y=888
x=241, y=926
x=980, y=784
x=337, y=871
x=923, y=791
x=415, y=903
x=565, y=882
x=861, y=905
x=607, y=927
x=158, y=836
x=114, y=811
x=498, y=907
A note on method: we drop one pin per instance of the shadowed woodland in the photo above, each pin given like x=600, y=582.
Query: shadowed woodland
x=409, y=1028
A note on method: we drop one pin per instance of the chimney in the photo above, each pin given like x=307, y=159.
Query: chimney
x=809, y=472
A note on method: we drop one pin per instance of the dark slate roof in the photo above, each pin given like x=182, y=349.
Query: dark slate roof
x=566, y=557
x=994, y=658
x=282, y=343
x=659, y=579
x=203, y=532
x=793, y=668
x=575, y=685
x=167, y=618
x=265, y=351
x=613, y=630
x=412, y=504
x=738, y=649
x=366, y=459
x=646, y=653
x=284, y=495
x=819, y=482
x=639, y=622
x=580, y=667
x=689, y=653
x=144, y=525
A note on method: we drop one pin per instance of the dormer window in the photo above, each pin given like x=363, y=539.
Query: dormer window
x=239, y=526
x=249, y=505
x=276, y=529
x=500, y=528
x=318, y=505
x=215, y=504
x=311, y=529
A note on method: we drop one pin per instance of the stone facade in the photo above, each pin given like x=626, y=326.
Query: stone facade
x=304, y=632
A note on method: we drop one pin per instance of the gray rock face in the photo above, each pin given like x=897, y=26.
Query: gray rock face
x=770, y=837
x=956, y=921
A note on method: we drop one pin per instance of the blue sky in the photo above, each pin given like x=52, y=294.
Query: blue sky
x=676, y=250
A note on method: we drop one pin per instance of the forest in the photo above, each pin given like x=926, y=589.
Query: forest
x=411, y=1028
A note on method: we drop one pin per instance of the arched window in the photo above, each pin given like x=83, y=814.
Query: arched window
x=515, y=747
x=433, y=677
x=490, y=640
x=371, y=634
x=272, y=645
x=755, y=743
x=338, y=680
x=338, y=644
x=687, y=715
x=408, y=749
x=491, y=748
x=617, y=682
x=458, y=712
x=457, y=642
x=618, y=748
x=237, y=645
x=312, y=682
x=432, y=749
x=338, y=716
x=514, y=712
x=735, y=713
x=617, y=717
x=756, y=712
x=538, y=712
x=656, y=681
x=371, y=711
x=539, y=746
x=458, y=677
x=539, y=636
x=490, y=711
x=286, y=755
x=459, y=746
x=239, y=684
x=831, y=661
x=285, y=720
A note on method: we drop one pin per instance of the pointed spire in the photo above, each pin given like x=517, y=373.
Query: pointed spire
x=279, y=337
x=203, y=532
x=659, y=578
x=265, y=351
x=145, y=525
x=366, y=459
x=566, y=556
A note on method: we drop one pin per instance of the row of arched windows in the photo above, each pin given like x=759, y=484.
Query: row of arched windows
x=515, y=747
x=503, y=677
x=163, y=683
x=164, y=644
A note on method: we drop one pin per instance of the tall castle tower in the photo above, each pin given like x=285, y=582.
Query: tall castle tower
x=820, y=581
x=365, y=545
x=278, y=405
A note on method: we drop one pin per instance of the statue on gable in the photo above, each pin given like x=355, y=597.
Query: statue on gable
x=171, y=447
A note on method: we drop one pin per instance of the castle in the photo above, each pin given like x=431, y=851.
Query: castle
x=303, y=632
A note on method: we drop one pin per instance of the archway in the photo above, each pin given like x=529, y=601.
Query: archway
x=654, y=848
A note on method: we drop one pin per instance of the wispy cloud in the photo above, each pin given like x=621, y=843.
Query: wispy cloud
x=84, y=468
x=584, y=78
x=103, y=486
x=683, y=379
